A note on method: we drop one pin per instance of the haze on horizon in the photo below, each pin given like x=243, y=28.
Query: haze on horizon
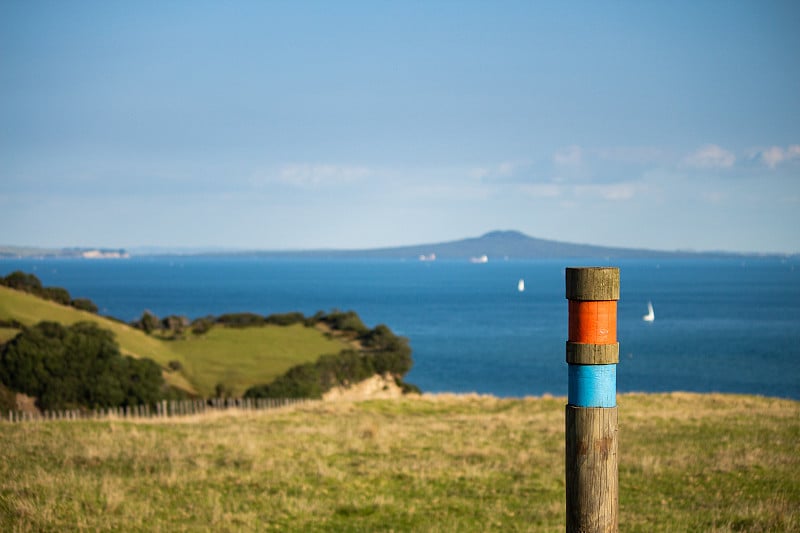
x=352, y=125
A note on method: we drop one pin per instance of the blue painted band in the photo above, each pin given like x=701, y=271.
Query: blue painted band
x=592, y=385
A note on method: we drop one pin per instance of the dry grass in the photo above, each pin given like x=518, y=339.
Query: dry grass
x=430, y=463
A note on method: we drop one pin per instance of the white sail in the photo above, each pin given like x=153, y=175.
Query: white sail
x=521, y=285
x=651, y=315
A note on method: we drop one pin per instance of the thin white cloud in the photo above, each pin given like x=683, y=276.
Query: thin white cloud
x=776, y=155
x=772, y=156
x=634, y=155
x=570, y=156
x=306, y=175
x=710, y=156
x=541, y=190
x=613, y=191
x=446, y=191
x=574, y=164
x=610, y=192
x=500, y=171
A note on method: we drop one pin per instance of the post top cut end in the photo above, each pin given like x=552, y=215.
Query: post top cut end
x=592, y=283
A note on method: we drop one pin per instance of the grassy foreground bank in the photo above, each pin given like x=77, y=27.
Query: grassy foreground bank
x=434, y=463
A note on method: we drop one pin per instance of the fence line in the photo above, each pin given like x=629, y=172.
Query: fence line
x=163, y=409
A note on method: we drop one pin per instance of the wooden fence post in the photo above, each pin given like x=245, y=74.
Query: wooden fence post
x=592, y=479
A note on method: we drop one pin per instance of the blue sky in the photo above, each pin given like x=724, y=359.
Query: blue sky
x=285, y=125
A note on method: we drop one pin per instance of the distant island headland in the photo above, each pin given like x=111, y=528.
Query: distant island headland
x=492, y=246
x=77, y=253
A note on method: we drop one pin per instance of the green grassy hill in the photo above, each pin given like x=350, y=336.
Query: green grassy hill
x=244, y=357
x=687, y=462
x=238, y=358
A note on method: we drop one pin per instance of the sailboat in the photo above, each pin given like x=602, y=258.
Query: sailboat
x=521, y=285
x=650, y=316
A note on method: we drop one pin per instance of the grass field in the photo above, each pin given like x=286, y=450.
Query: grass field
x=443, y=463
x=244, y=357
x=238, y=358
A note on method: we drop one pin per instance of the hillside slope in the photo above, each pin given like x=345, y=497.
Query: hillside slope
x=236, y=358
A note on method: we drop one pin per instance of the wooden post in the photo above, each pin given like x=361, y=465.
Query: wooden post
x=592, y=479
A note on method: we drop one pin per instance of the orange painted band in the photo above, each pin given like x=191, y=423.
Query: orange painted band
x=593, y=322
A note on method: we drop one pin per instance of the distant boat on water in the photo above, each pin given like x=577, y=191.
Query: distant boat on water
x=481, y=259
x=651, y=315
x=521, y=285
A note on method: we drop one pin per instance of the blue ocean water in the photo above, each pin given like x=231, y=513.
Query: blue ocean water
x=721, y=325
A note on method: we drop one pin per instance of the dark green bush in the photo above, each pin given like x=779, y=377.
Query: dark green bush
x=313, y=320
x=56, y=294
x=286, y=319
x=79, y=365
x=345, y=321
x=202, y=325
x=147, y=323
x=174, y=324
x=84, y=304
x=221, y=390
x=11, y=323
x=344, y=368
x=391, y=353
x=301, y=381
x=241, y=320
x=29, y=283
x=21, y=281
x=407, y=388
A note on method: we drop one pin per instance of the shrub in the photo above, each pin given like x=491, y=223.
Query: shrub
x=202, y=325
x=241, y=320
x=84, y=304
x=407, y=388
x=319, y=316
x=21, y=281
x=345, y=368
x=345, y=321
x=391, y=353
x=396, y=363
x=56, y=294
x=301, y=381
x=79, y=365
x=221, y=390
x=29, y=283
x=147, y=323
x=286, y=319
x=174, y=324
x=11, y=323
x=382, y=338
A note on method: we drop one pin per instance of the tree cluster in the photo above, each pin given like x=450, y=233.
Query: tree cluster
x=342, y=321
x=79, y=365
x=382, y=352
x=29, y=283
x=347, y=321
